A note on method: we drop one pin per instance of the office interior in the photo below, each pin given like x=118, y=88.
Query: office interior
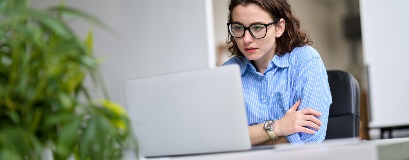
x=332, y=25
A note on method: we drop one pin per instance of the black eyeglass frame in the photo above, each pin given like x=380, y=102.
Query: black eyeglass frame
x=248, y=28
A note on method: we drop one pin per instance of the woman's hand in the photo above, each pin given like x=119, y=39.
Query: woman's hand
x=297, y=121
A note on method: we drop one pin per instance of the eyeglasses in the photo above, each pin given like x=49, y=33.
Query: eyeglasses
x=258, y=31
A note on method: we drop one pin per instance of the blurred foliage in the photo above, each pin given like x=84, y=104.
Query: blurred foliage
x=44, y=103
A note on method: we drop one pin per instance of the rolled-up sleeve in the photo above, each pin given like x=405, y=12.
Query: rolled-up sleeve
x=313, y=90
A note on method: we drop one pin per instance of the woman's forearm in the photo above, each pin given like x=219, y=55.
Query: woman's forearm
x=259, y=136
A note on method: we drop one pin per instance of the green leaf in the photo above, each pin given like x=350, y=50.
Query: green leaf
x=68, y=11
x=43, y=99
x=54, y=119
x=20, y=141
x=88, y=139
x=66, y=101
x=89, y=40
x=67, y=138
x=49, y=22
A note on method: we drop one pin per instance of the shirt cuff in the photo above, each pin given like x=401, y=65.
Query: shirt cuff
x=294, y=139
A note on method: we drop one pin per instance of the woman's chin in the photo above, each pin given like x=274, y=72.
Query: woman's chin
x=251, y=57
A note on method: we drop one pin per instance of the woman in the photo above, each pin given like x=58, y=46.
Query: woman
x=285, y=84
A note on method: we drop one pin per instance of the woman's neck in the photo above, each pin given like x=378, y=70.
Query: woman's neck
x=262, y=64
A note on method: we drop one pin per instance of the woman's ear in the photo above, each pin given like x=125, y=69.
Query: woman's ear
x=280, y=27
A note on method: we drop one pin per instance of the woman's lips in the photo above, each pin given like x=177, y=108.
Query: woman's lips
x=250, y=50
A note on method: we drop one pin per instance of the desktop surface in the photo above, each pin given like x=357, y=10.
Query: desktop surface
x=331, y=149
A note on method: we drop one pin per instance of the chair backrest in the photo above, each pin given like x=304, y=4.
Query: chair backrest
x=343, y=121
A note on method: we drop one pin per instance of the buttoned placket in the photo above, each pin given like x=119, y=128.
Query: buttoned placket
x=266, y=95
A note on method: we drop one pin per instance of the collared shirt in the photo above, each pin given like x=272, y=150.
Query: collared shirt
x=299, y=74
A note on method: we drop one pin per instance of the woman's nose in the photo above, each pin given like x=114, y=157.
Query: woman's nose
x=247, y=37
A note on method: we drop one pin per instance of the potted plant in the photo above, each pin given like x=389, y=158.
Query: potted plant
x=44, y=103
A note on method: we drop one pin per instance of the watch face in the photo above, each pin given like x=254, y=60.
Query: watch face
x=266, y=126
x=272, y=124
x=269, y=125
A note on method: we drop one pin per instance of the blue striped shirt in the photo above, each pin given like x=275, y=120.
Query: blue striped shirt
x=300, y=74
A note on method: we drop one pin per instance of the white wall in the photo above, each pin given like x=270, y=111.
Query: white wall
x=385, y=41
x=220, y=13
x=151, y=37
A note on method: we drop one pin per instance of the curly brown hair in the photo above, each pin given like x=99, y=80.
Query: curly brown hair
x=292, y=37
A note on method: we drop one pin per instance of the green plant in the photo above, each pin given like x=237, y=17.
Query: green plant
x=44, y=103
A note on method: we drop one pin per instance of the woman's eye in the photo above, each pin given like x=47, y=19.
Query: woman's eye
x=257, y=27
x=237, y=28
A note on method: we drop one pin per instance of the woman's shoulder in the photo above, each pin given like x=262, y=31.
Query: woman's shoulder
x=235, y=60
x=303, y=53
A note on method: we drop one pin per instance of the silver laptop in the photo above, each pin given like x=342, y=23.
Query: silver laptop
x=192, y=112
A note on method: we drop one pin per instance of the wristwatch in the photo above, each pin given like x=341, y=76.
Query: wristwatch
x=269, y=127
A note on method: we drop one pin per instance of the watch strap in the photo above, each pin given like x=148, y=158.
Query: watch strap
x=269, y=126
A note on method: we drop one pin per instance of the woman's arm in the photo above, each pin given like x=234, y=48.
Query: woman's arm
x=313, y=89
x=259, y=136
x=296, y=120
x=292, y=122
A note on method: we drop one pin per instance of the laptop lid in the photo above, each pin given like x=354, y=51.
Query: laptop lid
x=190, y=112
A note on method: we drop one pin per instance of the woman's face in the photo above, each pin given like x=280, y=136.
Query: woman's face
x=258, y=50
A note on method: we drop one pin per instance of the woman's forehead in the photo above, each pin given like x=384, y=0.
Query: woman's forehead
x=250, y=13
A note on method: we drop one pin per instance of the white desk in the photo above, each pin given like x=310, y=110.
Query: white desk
x=333, y=149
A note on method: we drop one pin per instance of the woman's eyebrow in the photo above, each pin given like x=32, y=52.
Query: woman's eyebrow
x=237, y=22
x=258, y=22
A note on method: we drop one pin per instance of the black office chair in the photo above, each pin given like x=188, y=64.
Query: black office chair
x=343, y=119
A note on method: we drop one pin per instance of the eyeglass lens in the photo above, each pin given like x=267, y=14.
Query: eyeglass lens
x=256, y=30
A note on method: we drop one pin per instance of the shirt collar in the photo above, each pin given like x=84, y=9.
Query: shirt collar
x=244, y=64
x=279, y=61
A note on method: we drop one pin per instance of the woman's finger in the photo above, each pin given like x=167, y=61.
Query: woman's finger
x=310, y=124
x=296, y=105
x=305, y=130
x=312, y=119
x=309, y=111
